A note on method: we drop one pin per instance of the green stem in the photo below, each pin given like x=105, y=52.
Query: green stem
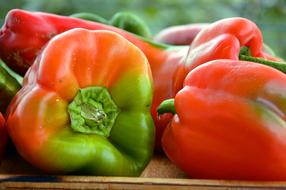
x=167, y=106
x=9, y=86
x=131, y=23
x=245, y=56
x=93, y=111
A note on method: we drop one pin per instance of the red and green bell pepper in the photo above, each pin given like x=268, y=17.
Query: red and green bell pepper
x=85, y=107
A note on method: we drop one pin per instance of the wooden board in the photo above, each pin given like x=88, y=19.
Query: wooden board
x=159, y=167
x=15, y=173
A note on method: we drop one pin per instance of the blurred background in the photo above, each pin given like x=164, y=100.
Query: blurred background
x=269, y=15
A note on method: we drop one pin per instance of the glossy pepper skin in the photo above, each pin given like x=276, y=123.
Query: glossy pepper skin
x=19, y=48
x=230, y=122
x=85, y=107
x=3, y=136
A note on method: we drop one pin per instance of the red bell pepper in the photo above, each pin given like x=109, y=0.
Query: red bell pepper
x=225, y=39
x=24, y=34
x=185, y=35
x=230, y=122
x=3, y=136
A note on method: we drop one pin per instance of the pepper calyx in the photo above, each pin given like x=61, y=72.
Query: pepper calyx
x=93, y=111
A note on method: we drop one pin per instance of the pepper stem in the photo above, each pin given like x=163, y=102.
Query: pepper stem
x=93, y=111
x=246, y=56
x=167, y=106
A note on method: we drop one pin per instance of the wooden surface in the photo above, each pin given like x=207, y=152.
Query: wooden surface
x=159, y=167
x=15, y=173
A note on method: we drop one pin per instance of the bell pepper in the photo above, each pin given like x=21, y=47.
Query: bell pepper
x=185, y=35
x=18, y=47
x=9, y=86
x=180, y=34
x=229, y=122
x=3, y=136
x=85, y=107
x=232, y=38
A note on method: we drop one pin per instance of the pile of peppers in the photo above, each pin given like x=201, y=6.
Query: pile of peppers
x=99, y=96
